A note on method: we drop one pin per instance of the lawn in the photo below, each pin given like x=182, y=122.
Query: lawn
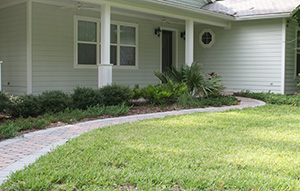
x=250, y=149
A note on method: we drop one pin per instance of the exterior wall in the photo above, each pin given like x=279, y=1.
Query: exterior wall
x=290, y=62
x=13, y=49
x=53, y=51
x=247, y=56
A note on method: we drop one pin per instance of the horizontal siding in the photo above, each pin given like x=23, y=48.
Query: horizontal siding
x=13, y=49
x=290, y=62
x=247, y=56
x=53, y=51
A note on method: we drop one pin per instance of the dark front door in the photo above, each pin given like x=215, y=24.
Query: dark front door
x=167, y=56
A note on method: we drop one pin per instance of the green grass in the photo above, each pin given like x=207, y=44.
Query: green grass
x=251, y=149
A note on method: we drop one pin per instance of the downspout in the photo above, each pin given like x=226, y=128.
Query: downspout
x=29, y=46
x=283, y=55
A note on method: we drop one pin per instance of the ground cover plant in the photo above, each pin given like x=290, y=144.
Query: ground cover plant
x=272, y=98
x=250, y=149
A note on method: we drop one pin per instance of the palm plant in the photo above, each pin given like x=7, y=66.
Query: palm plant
x=194, y=79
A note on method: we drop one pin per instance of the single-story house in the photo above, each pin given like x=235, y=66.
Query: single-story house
x=61, y=44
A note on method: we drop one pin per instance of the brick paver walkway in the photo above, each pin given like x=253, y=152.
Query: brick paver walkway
x=17, y=152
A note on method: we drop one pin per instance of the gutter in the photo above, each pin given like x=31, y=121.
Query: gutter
x=269, y=16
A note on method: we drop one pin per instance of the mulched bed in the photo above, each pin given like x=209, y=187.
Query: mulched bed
x=138, y=108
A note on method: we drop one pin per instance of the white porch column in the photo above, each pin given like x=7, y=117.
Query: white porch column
x=105, y=68
x=0, y=77
x=189, y=42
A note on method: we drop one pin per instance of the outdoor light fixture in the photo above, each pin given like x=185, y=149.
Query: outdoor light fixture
x=157, y=31
x=182, y=35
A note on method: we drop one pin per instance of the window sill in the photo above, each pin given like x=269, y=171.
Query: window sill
x=114, y=67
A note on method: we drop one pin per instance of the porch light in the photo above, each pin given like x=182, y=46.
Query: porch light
x=157, y=31
x=182, y=35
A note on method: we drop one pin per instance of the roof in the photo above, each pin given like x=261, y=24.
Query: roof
x=243, y=8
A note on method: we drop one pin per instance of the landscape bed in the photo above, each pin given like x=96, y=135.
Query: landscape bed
x=249, y=149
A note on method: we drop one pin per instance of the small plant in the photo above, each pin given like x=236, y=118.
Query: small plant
x=137, y=93
x=54, y=101
x=116, y=95
x=86, y=97
x=186, y=100
x=163, y=94
x=194, y=78
x=5, y=103
x=27, y=105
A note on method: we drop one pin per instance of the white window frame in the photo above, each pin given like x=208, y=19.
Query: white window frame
x=98, y=42
x=213, y=38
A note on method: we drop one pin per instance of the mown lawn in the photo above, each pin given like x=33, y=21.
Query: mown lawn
x=252, y=149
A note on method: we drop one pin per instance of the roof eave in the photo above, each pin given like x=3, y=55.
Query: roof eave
x=267, y=16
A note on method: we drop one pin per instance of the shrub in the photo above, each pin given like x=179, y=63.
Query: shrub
x=162, y=94
x=8, y=130
x=116, y=110
x=272, y=98
x=86, y=97
x=137, y=93
x=187, y=100
x=54, y=101
x=116, y=94
x=5, y=103
x=27, y=105
x=195, y=80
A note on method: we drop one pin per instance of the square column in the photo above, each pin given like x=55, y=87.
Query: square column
x=189, y=42
x=105, y=68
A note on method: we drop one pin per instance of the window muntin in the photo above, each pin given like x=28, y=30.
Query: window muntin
x=207, y=38
x=88, y=46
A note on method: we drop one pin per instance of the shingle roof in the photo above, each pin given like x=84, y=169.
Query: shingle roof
x=187, y=3
x=240, y=8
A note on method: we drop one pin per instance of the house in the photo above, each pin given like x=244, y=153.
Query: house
x=61, y=44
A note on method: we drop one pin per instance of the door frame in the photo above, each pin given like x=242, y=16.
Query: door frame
x=174, y=50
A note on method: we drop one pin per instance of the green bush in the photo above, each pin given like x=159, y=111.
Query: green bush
x=54, y=101
x=272, y=98
x=5, y=103
x=186, y=100
x=137, y=93
x=116, y=95
x=165, y=93
x=116, y=110
x=8, y=130
x=27, y=105
x=197, y=82
x=86, y=97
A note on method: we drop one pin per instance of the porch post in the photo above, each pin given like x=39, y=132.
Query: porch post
x=105, y=68
x=0, y=77
x=189, y=42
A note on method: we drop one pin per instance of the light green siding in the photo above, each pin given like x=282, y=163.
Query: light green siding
x=53, y=51
x=247, y=56
x=13, y=48
x=290, y=74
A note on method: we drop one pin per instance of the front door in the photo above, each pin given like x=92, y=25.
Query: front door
x=167, y=51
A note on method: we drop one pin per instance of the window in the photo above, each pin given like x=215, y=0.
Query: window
x=298, y=54
x=207, y=38
x=123, y=49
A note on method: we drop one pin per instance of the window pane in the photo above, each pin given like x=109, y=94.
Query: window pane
x=113, y=55
x=206, y=38
x=87, y=54
x=127, y=35
x=87, y=31
x=113, y=34
x=127, y=55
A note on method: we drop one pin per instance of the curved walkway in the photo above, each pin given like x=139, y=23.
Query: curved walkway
x=20, y=151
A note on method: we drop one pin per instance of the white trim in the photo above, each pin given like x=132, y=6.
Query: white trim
x=267, y=16
x=213, y=38
x=98, y=43
x=297, y=29
x=175, y=51
x=29, y=46
x=12, y=3
x=189, y=42
x=283, y=54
